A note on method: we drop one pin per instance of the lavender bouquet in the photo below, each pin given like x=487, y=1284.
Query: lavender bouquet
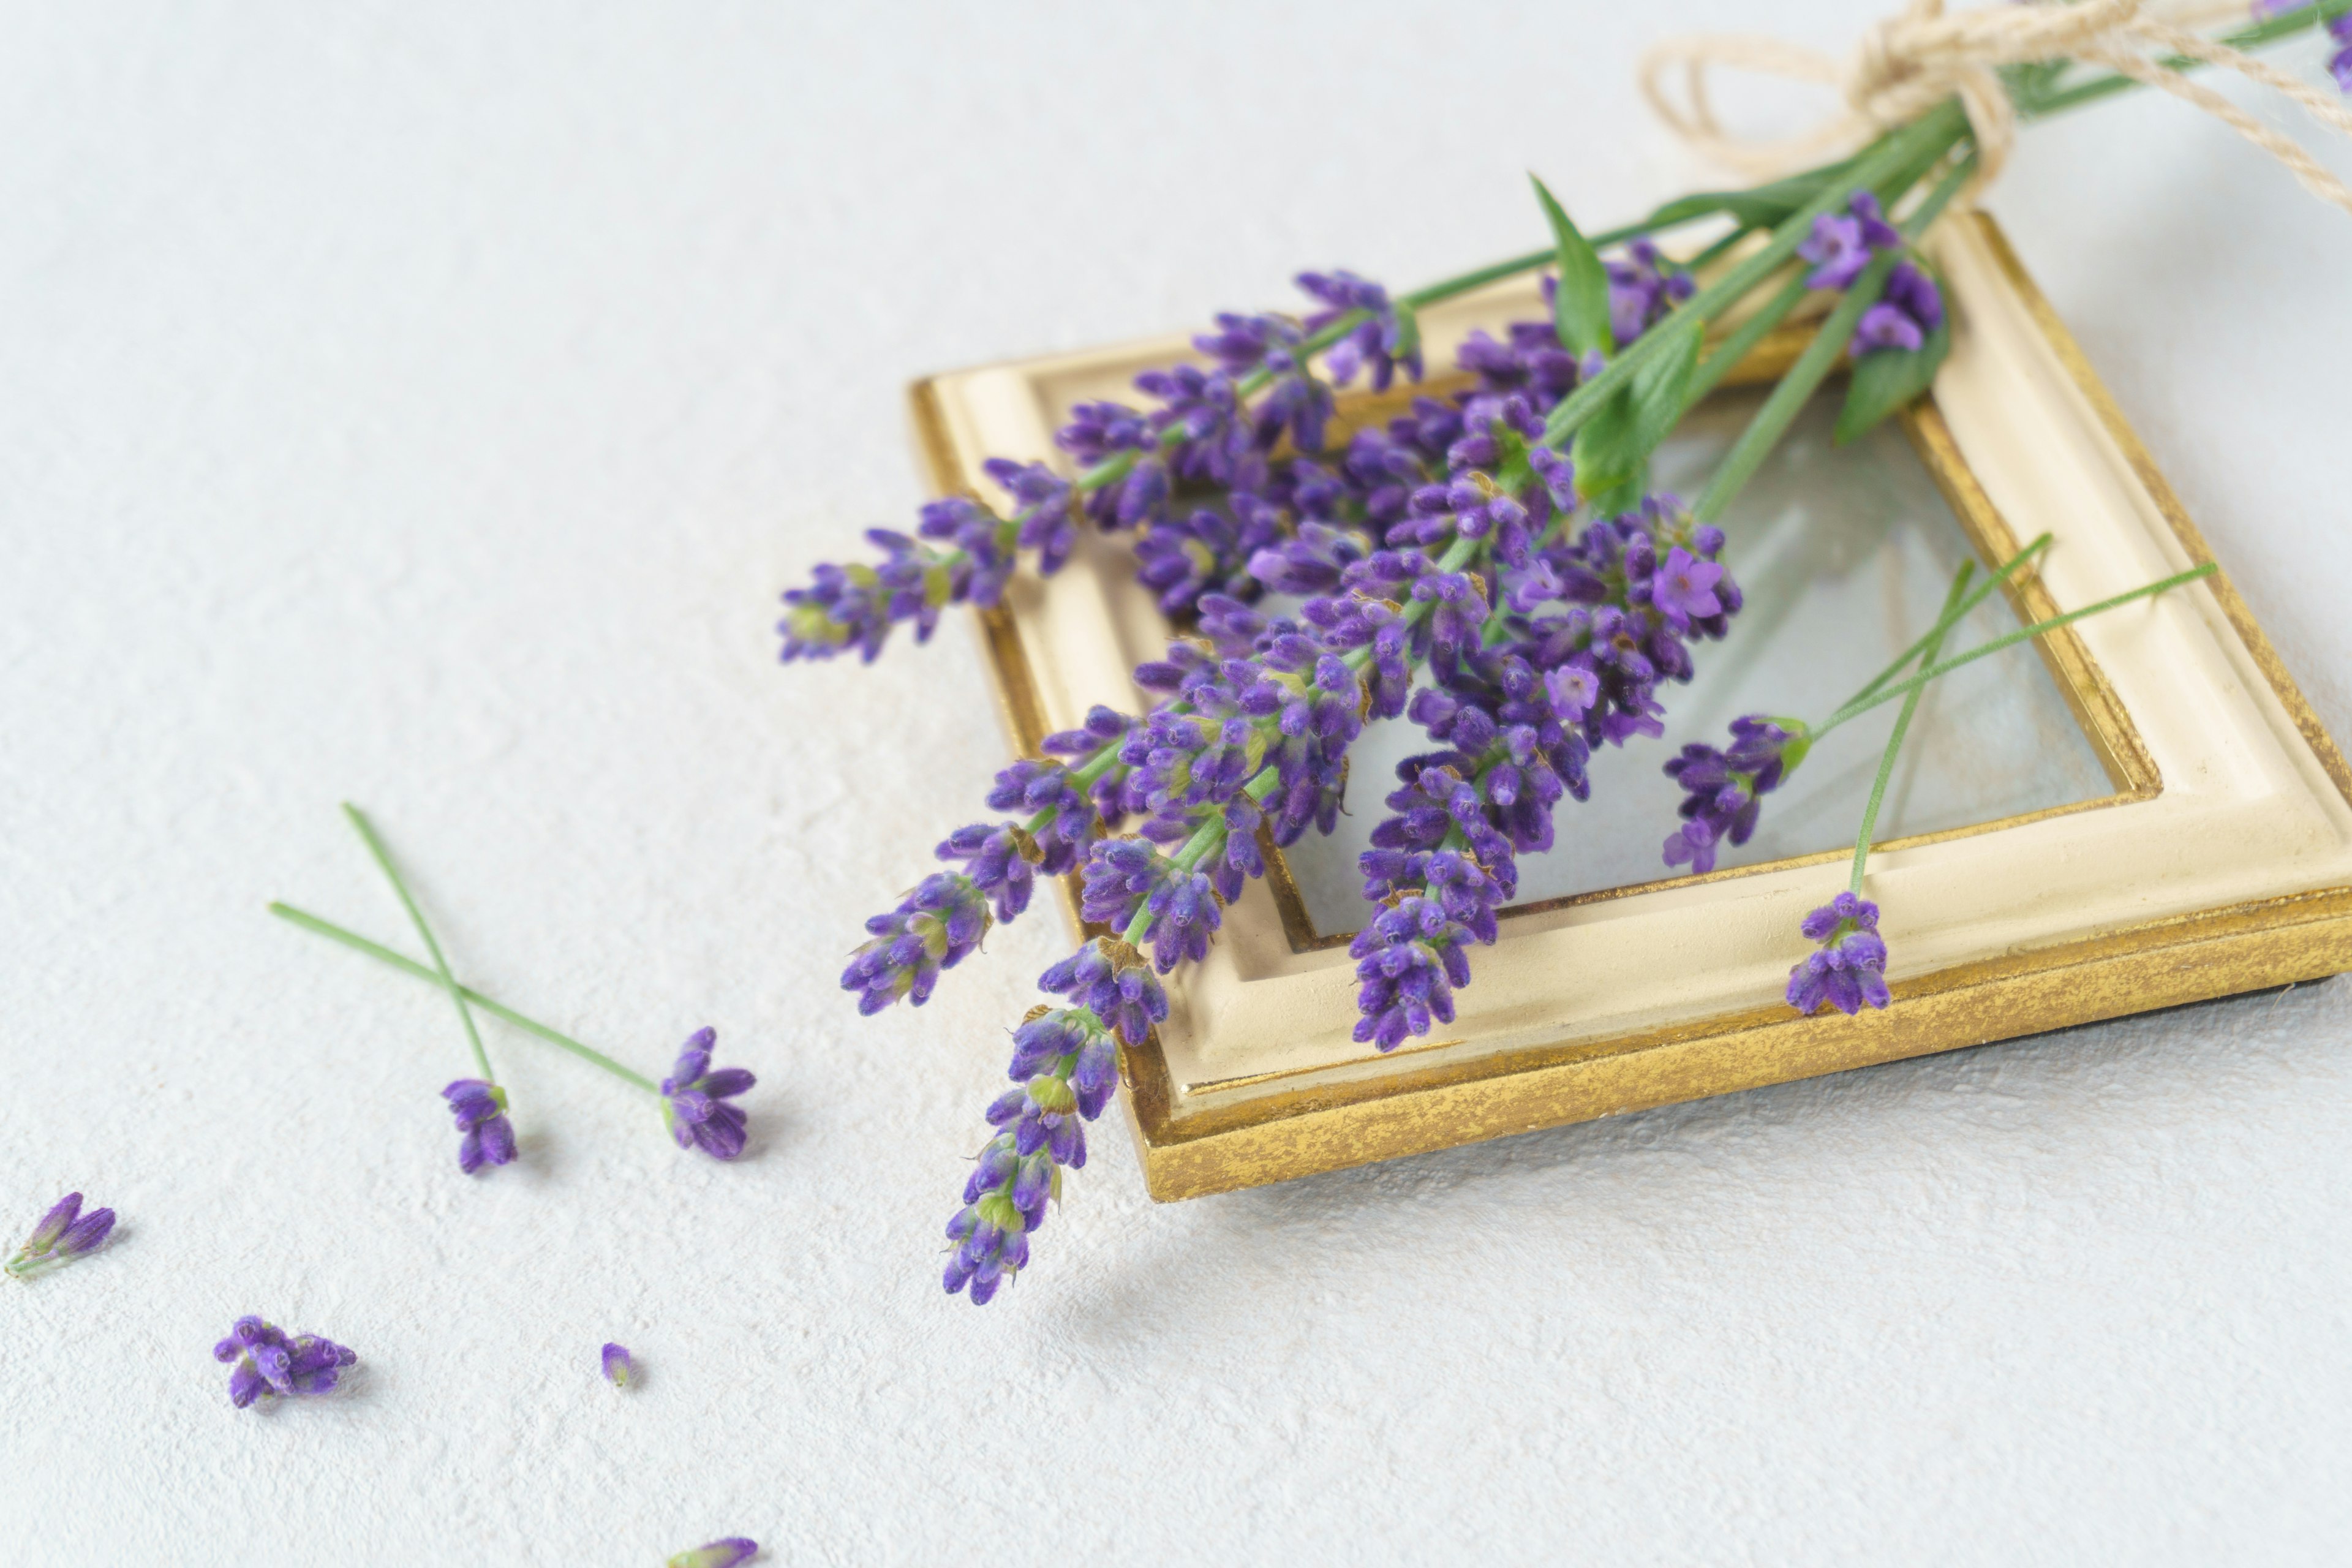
x=1490, y=565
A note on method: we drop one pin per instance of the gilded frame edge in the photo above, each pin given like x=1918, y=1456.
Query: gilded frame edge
x=2167, y=962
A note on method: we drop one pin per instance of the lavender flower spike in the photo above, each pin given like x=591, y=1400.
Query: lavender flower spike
x=935, y=927
x=481, y=1112
x=724, y=1554
x=268, y=1364
x=694, y=1099
x=1849, y=970
x=64, y=1235
x=620, y=1371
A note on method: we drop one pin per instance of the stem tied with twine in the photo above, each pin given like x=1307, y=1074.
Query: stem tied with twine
x=1909, y=62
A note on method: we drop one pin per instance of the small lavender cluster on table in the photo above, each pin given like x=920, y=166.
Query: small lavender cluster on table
x=65, y=1235
x=265, y=1362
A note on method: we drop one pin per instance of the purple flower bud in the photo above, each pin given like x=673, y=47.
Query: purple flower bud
x=63, y=1235
x=1849, y=972
x=620, y=1370
x=725, y=1554
x=694, y=1101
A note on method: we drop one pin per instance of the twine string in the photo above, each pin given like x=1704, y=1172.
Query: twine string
x=1907, y=63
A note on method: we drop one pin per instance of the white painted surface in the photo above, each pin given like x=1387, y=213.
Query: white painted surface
x=423, y=405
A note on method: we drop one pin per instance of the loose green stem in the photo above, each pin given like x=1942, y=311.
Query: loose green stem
x=358, y=943
x=425, y=932
x=1952, y=616
x=1934, y=643
x=1854, y=710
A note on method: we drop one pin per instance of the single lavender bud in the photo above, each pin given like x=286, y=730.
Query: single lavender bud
x=727, y=1554
x=2339, y=66
x=265, y=1364
x=64, y=1235
x=694, y=1099
x=1849, y=970
x=620, y=1370
x=487, y=1137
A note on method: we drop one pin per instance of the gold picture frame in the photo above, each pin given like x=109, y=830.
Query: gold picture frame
x=2220, y=862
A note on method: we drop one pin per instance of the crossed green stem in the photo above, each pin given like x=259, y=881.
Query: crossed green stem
x=496, y=1009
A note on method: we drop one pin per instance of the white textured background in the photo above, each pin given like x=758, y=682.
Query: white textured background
x=424, y=405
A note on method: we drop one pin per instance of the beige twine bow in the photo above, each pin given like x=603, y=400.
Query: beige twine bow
x=1910, y=62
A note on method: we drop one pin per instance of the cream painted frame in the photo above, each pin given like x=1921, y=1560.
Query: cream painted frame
x=2222, y=862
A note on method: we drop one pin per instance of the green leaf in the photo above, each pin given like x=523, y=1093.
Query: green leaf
x=1612, y=449
x=1579, y=306
x=1886, y=379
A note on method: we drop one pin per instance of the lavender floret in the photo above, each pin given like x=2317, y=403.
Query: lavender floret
x=934, y=928
x=620, y=1368
x=694, y=1099
x=64, y=1235
x=1383, y=340
x=729, y=1553
x=1724, y=790
x=1849, y=972
x=1911, y=308
x=266, y=1363
x=487, y=1137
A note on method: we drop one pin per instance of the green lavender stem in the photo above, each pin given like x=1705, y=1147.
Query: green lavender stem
x=1934, y=645
x=1861, y=705
x=417, y=918
x=1772, y=421
x=1951, y=617
x=358, y=943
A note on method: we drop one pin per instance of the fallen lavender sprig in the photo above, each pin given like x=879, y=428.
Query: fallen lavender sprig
x=727, y=1554
x=692, y=1100
x=65, y=1235
x=266, y=1363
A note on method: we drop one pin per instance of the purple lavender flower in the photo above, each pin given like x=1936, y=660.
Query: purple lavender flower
x=695, y=1096
x=1181, y=559
x=935, y=927
x=1643, y=289
x=1384, y=340
x=726, y=1554
x=64, y=1235
x=268, y=1364
x=1065, y=1068
x=1409, y=959
x=620, y=1370
x=2340, y=66
x=856, y=606
x=1849, y=970
x=1842, y=245
x=1125, y=877
x=480, y=1108
x=1295, y=399
x=1910, y=309
x=1000, y=861
x=1111, y=980
x=1311, y=563
x=1682, y=588
x=1724, y=790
